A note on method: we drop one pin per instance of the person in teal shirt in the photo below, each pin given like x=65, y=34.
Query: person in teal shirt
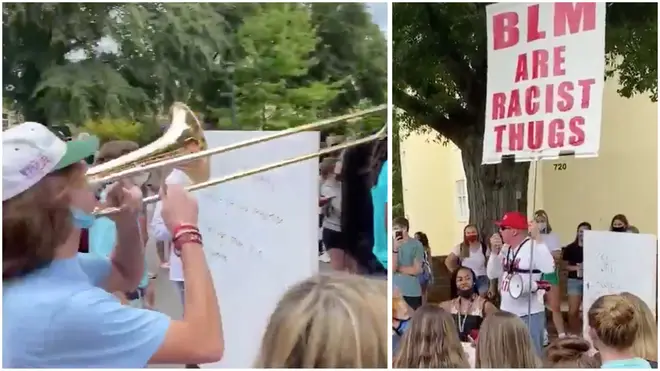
x=407, y=263
x=614, y=323
x=102, y=240
x=379, y=197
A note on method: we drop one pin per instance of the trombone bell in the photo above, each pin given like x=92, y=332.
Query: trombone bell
x=184, y=130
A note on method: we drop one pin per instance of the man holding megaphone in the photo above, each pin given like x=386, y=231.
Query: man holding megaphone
x=518, y=259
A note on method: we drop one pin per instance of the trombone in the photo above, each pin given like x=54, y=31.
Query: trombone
x=167, y=151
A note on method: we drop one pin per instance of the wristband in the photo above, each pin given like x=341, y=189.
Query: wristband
x=184, y=239
x=182, y=226
x=185, y=231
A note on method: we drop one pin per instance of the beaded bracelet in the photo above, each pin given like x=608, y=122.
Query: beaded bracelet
x=184, y=238
x=181, y=226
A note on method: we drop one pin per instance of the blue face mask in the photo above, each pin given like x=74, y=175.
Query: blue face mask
x=81, y=219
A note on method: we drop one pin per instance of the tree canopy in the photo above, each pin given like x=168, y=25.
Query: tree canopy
x=439, y=73
x=276, y=65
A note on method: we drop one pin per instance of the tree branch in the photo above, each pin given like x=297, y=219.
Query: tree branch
x=450, y=125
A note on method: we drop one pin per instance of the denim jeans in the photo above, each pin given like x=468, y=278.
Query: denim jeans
x=536, y=326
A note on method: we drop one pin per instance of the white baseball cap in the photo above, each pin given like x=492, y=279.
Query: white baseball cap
x=30, y=151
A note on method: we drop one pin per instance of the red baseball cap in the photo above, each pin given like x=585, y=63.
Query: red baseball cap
x=513, y=219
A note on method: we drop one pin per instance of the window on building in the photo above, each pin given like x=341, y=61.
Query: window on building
x=462, y=207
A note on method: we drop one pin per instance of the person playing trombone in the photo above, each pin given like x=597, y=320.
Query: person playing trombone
x=57, y=308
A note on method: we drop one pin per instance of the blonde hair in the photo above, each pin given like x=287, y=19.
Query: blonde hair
x=646, y=341
x=615, y=321
x=544, y=215
x=504, y=342
x=431, y=341
x=570, y=353
x=328, y=321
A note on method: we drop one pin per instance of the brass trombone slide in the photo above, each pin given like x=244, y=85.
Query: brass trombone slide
x=382, y=133
x=213, y=151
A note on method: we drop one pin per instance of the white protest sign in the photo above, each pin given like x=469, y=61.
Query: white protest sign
x=546, y=65
x=260, y=233
x=616, y=262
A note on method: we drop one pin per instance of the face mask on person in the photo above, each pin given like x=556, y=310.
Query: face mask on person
x=81, y=219
x=471, y=238
x=618, y=229
x=543, y=227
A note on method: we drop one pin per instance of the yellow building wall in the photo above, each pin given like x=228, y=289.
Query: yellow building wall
x=427, y=169
x=622, y=179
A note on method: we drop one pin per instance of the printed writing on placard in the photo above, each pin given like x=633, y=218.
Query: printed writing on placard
x=224, y=241
x=222, y=203
x=542, y=98
x=605, y=265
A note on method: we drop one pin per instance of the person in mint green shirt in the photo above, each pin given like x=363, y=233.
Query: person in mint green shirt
x=614, y=323
x=408, y=255
x=379, y=199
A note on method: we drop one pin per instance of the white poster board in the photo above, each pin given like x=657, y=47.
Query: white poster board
x=619, y=262
x=260, y=233
x=546, y=66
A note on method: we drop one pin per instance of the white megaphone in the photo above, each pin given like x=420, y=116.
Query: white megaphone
x=519, y=286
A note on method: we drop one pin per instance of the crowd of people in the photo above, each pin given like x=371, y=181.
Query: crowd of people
x=353, y=195
x=469, y=330
x=76, y=293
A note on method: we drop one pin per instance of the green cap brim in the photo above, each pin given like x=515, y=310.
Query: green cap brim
x=78, y=150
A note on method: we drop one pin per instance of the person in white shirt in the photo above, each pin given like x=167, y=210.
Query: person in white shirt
x=511, y=261
x=553, y=297
x=160, y=232
x=186, y=174
x=471, y=253
x=326, y=170
x=340, y=259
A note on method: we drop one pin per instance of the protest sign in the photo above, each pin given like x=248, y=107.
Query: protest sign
x=546, y=67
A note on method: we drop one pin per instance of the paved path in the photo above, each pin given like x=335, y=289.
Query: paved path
x=167, y=299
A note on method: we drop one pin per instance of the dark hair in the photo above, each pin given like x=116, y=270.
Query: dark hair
x=421, y=237
x=453, y=288
x=577, y=230
x=401, y=221
x=620, y=217
x=464, y=250
x=376, y=161
x=570, y=353
x=116, y=148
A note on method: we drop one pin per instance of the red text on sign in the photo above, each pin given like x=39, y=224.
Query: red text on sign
x=534, y=135
x=568, y=18
x=547, y=98
x=538, y=60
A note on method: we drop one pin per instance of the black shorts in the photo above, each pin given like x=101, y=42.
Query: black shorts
x=331, y=239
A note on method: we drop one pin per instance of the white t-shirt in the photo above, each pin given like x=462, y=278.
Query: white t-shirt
x=543, y=262
x=475, y=261
x=552, y=241
x=160, y=232
x=332, y=189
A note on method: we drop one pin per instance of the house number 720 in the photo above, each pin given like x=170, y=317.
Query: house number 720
x=559, y=167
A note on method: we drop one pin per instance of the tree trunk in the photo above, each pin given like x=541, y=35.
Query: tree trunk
x=492, y=189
